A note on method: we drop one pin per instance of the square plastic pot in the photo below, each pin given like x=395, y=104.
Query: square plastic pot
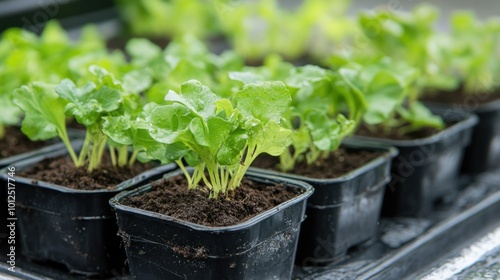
x=343, y=212
x=483, y=153
x=76, y=228
x=426, y=171
x=9, y=161
x=262, y=247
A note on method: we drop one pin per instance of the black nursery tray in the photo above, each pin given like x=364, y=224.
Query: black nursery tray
x=403, y=247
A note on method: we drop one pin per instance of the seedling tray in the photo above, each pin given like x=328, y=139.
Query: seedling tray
x=403, y=246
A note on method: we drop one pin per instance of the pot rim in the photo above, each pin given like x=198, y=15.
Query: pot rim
x=52, y=146
x=467, y=120
x=493, y=105
x=60, y=150
x=115, y=202
x=390, y=152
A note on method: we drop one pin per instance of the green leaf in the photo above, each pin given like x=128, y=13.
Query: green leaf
x=119, y=129
x=142, y=50
x=150, y=149
x=188, y=46
x=157, y=92
x=185, y=69
x=54, y=36
x=221, y=134
x=224, y=105
x=383, y=95
x=327, y=133
x=198, y=98
x=272, y=138
x=247, y=77
x=87, y=104
x=44, y=111
x=90, y=39
x=170, y=122
x=300, y=140
x=10, y=113
x=306, y=75
x=266, y=102
x=104, y=77
x=420, y=116
x=232, y=147
x=137, y=81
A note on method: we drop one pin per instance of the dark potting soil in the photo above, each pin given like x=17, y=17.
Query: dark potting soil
x=462, y=99
x=171, y=197
x=394, y=134
x=15, y=143
x=61, y=171
x=338, y=163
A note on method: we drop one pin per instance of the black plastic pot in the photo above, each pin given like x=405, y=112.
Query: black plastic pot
x=9, y=161
x=260, y=248
x=426, y=172
x=13, y=159
x=72, y=227
x=483, y=153
x=343, y=212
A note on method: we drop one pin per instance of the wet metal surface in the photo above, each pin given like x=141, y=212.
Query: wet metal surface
x=399, y=231
x=480, y=260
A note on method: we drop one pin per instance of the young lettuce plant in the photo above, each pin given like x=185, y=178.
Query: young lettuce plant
x=11, y=75
x=289, y=31
x=318, y=97
x=263, y=21
x=411, y=38
x=389, y=96
x=183, y=59
x=25, y=57
x=169, y=18
x=471, y=52
x=216, y=136
x=46, y=106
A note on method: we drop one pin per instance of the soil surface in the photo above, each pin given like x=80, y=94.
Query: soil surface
x=171, y=197
x=460, y=98
x=61, y=171
x=15, y=143
x=338, y=163
x=393, y=134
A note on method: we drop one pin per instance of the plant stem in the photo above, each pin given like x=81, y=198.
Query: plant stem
x=98, y=146
x=63, y=135
x=313, y=153
x=185, y=172
x=84, y=150
x=2, y=131
x=197, y=174
x=214, y=179
x=133, y=158
x=252, y=153
x=122, y=156
x=102, y=147
x=112, y=155
x=287, y=161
